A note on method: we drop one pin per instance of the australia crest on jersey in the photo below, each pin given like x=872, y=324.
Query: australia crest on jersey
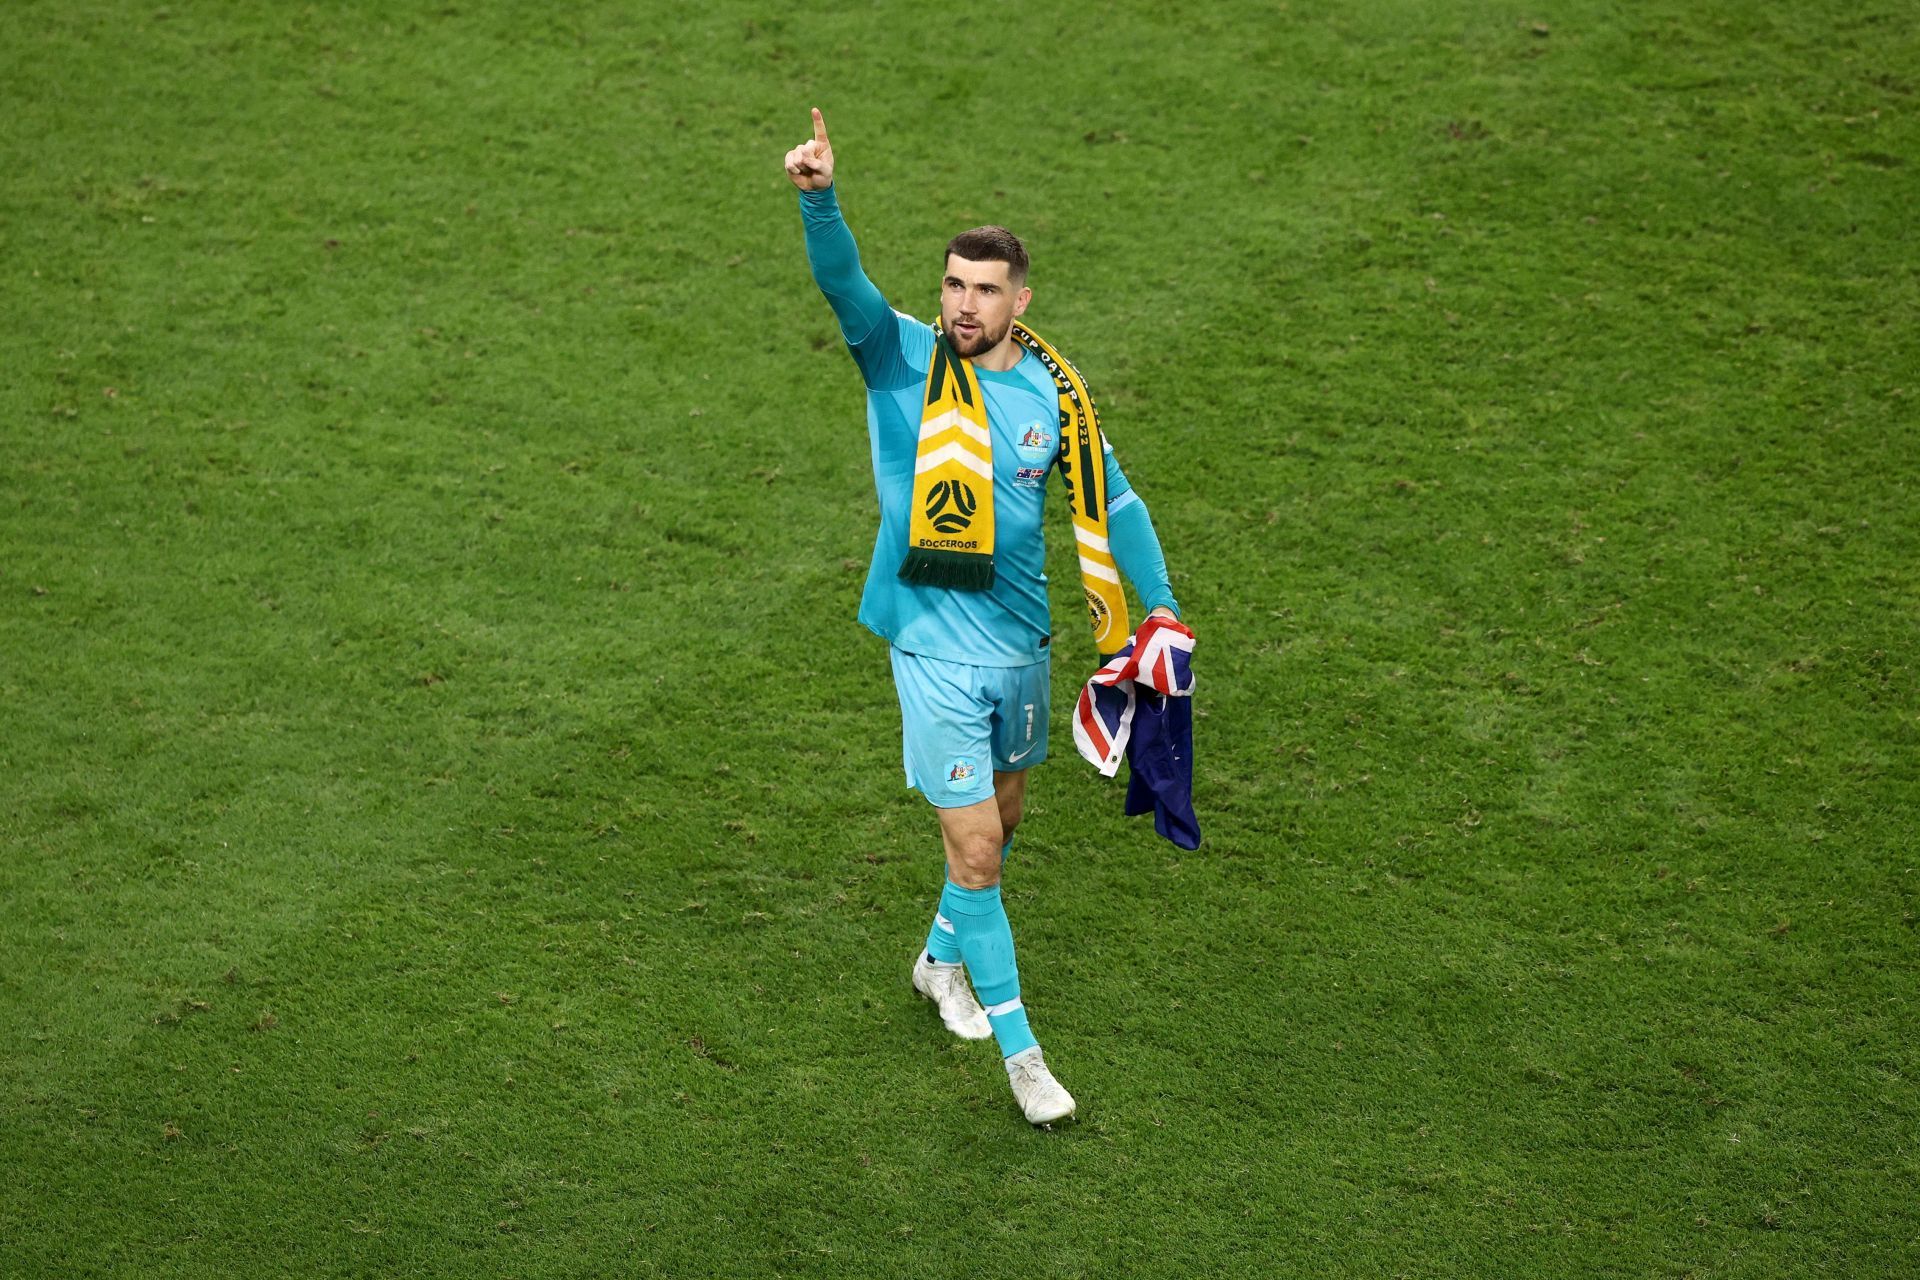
x=1036, y=440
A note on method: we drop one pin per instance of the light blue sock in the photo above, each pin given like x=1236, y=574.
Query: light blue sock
x=986, y=941
x=942, y=946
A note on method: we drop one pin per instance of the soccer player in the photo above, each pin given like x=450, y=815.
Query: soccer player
x=969, y=632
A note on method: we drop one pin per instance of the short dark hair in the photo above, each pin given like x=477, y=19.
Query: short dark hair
x=991, y=244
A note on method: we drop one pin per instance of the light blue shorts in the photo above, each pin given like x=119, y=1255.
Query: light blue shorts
x=959, y=723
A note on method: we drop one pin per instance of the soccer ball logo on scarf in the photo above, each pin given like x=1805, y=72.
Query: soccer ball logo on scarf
x=1101, y=616
x=950, y=505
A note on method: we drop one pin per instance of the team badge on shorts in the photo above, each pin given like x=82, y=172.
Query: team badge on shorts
x=960, y=772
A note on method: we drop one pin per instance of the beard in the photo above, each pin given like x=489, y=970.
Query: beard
x=983, y=340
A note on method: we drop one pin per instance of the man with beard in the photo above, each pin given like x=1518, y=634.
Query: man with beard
x=966, y=421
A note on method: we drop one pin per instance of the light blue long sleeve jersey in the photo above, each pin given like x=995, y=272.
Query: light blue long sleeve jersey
x=1009, y=625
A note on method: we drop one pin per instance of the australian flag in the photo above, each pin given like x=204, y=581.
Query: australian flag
x=1139, y=706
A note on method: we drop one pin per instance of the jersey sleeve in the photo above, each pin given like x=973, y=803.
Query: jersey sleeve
x=1135, y=545
x=871, y=328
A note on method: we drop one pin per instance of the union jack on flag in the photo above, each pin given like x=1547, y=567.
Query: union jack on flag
x=1160, y=656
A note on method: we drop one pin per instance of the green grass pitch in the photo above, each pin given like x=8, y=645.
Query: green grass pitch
x=451, y=824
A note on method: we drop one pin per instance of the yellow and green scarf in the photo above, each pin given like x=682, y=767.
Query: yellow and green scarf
x=950, y=540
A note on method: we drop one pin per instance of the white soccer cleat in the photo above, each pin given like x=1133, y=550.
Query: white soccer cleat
x=1040, y=1096
x=946, y=985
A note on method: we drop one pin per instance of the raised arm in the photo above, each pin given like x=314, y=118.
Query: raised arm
x=865, y=318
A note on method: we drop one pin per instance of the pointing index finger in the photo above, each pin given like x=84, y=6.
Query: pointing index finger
x=819, y=128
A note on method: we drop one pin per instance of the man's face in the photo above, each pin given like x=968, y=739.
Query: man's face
x=978, y=302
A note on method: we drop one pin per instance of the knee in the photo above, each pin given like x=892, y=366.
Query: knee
x=1009, y=819
x=975, y=863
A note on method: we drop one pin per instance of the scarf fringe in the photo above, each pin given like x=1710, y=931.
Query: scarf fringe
x=957, y=570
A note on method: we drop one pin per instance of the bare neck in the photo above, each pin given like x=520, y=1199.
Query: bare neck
x=1004, y=355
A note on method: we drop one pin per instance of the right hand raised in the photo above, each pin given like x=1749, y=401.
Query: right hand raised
x=810, y=164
